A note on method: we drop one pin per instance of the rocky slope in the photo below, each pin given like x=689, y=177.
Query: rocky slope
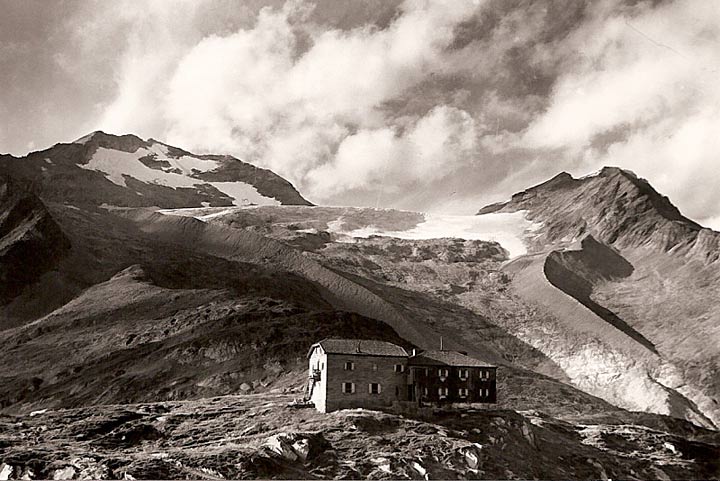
x=147, y=306
x=128, y=171
x=627, y=279
x=245, y=437
x=122, y=316
x=590, y=294
x=618, y=208
x=560, y=298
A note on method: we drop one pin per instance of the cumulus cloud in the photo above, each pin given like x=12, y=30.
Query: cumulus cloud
x=643, y=96
x=445, y=138
x=304, y=101
x=441, y=105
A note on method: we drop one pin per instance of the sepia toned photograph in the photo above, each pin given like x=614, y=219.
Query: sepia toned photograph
x=360, y=239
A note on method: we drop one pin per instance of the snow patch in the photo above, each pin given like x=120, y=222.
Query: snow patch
x=207, y=217
x=48, y=161
x=117, y=165
x=244, y=194
x=186, y=163
x=507, y=229
x=590, y=175
x=85, y=139
x=200, y=213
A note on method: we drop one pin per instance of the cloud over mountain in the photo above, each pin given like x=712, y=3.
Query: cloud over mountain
x=440, y=105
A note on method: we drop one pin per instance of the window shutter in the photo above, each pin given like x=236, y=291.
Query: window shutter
x=379, y=388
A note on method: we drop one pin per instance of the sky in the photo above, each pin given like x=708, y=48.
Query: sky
x=440, y=106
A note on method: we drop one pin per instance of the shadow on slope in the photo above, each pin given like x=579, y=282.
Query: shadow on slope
x=575, y=272
x=31, y=242
x=166, y=333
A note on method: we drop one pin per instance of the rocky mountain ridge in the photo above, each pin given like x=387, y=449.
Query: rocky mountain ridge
x=128, y=171
x=611, y=243
x=132, y=303
x=618, y=208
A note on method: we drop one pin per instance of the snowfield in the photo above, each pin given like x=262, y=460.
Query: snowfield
x=509, y=230
x=116, y=165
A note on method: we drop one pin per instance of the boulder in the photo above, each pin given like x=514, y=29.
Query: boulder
x=382, y=463
x=68, y=472
x=472, y=455
x=280, y=444
x=302, y=448
x=5, y=471
x=95, y=471
x=528, y=434
x=419, y=468
x=296, y=446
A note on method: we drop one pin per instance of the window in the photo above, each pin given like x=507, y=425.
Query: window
x=397, y=391
x=374, y=367
x=443, y=372
x=464, y=374
x=485, y=392
x=348, y=387
x=442, y=392
x=399, y=367
x=427, y=371
x=349, y=366
x=484, y=374
x=374, y=388
x=426, y=392
x=463, y=392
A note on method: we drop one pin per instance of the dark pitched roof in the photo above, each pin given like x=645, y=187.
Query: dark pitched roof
x=361, y=347
x=447, y=358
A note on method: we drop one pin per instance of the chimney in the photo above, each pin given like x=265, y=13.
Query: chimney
x=441, y=343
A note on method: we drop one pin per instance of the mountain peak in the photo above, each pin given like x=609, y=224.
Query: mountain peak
x=128, y=171
x=125, y=143
x=615, y=205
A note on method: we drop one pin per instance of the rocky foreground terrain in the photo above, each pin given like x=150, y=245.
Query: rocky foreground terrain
x=155, y=324
x=259, y=436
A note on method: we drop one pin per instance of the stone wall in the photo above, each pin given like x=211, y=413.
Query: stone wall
x=368, y=369
x=318, y=360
